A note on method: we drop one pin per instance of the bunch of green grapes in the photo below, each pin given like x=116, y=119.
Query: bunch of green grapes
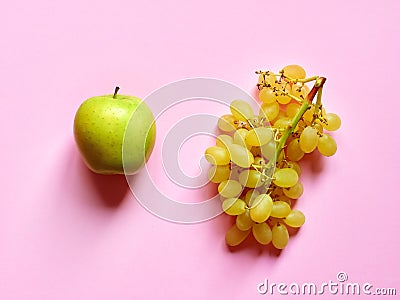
x=255, y=160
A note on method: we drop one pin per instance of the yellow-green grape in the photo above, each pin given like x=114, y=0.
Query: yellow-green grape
x=259, y=136
x=250, y=178
x=241, y=110
x=333, y=122
x=280, y=236
x=308, y=139
x=218, y=174
x=295, y=191
x=300, y=91
x=283, y=123
x=251, y=195
x=243, y=221
x=281, y=115
x=327, y=145
x=269, y=110
x=319, y=128
x=262, y=233
x=261, y=207
x=230, y=188
x=285, y=177
x=283, y=90
x=224, y=140
x=227, y=123
x=239, y=137
x=292, y=109
x=241, y=156
x=293, y=150
x=294, y=72
x=234, y=206
x=295, y=219
x=267, y=79
x=309, y=114
x=268, y=150
x=234, y=236
x=295, y=166
x=280, y=209
x=267, y=95
x=217, y=155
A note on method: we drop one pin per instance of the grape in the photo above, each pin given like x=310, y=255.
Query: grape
x=300, y=91
x=333, y=122
x=239, y=137
x=259, y=136
x=251, y=195
x=224, y=140
x=293, y=151
x=306, y=91
x=292, y=109
x=280, y=236
x=295, y=166
x=294, y=72
x=295, y=191
x=269, y=110
x=280, y=209
x=218, y=174
x=229, y=188
x=283, y=123
x=268, y=150
x=227, y=123
x=241, y=156
x=217, y=155
x=319, y=128
x=308, y=139
x=255, y=186
x=234, y=206
x=262, y=233
x=241, y=110
x=327, y=145
x=261, y=208
x=250, y=178
x=285, y=177
x=283, y=89
x=295, y=218
x=234, y=236
x=267, y=95
x=267, y=79
x=309, y=114
x=243, y=221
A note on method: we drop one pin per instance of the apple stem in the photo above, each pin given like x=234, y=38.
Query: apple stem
x=116, y=91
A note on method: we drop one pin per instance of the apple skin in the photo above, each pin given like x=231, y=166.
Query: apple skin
x=100, y=125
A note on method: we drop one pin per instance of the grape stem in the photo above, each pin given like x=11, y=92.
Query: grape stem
x=317, y=88
x=318, y=105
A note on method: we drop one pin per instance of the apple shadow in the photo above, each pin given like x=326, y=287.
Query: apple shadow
x=111, y=190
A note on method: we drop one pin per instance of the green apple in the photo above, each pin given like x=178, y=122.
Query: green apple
x=114, y=133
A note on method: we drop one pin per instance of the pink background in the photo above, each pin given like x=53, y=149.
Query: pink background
x=66, y=233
